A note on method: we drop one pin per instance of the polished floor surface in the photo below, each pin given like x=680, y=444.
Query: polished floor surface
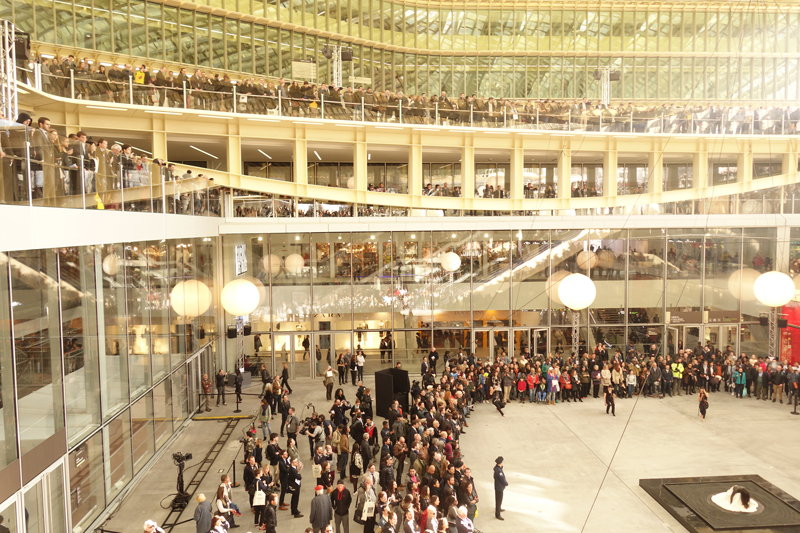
x=570, y=466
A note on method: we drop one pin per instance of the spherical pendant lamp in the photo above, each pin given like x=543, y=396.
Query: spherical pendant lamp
x=741, y=283
x=190, y=298
x=451, y=262
x=295, y=263
x=552, y=283
x=586, y=259
x=111, y=264
x=577, y=291
x=774, y=289
x=240, y=297
x=271, y=263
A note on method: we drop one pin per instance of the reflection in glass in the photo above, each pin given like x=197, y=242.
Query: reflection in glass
x=87, y=491
x=117, y=454
x=34, y=278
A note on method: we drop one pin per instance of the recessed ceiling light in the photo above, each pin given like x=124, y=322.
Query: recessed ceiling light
x=413, y=236
x=264, y=153
x=316, y=154
x=297, y=238
x=203, y=152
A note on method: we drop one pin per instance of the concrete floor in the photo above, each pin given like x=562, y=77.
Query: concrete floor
x=556, y=460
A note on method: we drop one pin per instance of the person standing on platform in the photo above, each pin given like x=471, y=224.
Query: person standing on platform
x=221, y=376
x=500, y=485
x=321, y=510
x=341, y=500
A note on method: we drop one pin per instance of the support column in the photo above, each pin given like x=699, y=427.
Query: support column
x=360, y=165
x=789, y=161
x=610, y=173
x=744, y=164
x=655, y=168
x=234, y=150
x=468, y=171
x=517, y=167
x=415, y=168
x=300, y=158
x=700, y=168
x=564, y=173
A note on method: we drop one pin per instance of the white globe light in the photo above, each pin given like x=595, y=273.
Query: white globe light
x=111, y=264
x=451, y=262
x=577, y=291
x=271, y=263
x=190, y=298
x=774, y=289
x=351, y=183
x=586, y=259
x=240, y=297
x=741, y=282
x=552, y=283
x=295, y=263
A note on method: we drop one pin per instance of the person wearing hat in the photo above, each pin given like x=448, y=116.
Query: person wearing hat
x=321, y=510
x=500, y=485
x=341, y=500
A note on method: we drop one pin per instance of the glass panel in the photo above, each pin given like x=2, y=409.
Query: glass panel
x=646, y=267
x=411, y=270
x=87, y=491
x=117, y=454
x=162, y=402
x=34, y=509
x=530, y=255
x=77, y=269
x=491, y=261
x=683, y=294
x=332, y=268
x=8, y=427
x=607, y=270
x=34, y=278
x=291, y=287
x=142, y=431
x=9, y=513
x=450, y=280
x=56, y=501
x=722, y=257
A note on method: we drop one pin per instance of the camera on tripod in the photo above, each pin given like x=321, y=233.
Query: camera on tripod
x=181, y=457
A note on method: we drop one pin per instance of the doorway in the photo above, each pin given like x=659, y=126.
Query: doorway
x=488, y=343
x=288, y=348
x=522, y=341
x=541, y=339
x=722, y=336
x=327, y=347
x=683, y=338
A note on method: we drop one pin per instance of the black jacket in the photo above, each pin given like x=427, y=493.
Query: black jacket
x=220, y=380
x=341, y=501
x=500, y=482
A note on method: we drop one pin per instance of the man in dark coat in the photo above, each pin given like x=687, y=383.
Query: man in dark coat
x=321, y=510
x=500, y=485
x=293, y=487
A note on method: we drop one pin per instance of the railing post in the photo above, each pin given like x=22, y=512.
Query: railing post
x=185, y=100
x=504, y=117
x=436, y=123
x=28, y=171
x=322, y=105
x=37, y=75
x=234, y=98
x=600, y=117
x=569, y=119
x=400, y=108
x=631, y=128
x=280, y=110
x=130, y=90
x=362, y=110
x=82, y=178
x=72, y=84
x=537, y=117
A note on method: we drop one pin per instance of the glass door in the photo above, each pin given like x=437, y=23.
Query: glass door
x=691, y=337
x=522, y=342
x=721, y=337
x=482, y=344
x=45, y=503
x=673, y=336
x=288, y=348
x=541, y=340
x=327, y=346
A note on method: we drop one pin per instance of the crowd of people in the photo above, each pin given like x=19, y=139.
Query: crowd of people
x=77, y=164
x=219, y=92
x=407, y=473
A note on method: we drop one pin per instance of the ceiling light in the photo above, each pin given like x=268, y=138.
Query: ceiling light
x=297, y=238
x=348, y=125
x=203, y=151
x=107, y=108
x=264, y=153
x=485, y=235
x=216, y=116
x=413, y=236
x=316, y=154
x=312, y=123
x=264, y=119
x=369, y=156
x=261, y=238
x=163, y=113
x=454, y=235
x=388, y=128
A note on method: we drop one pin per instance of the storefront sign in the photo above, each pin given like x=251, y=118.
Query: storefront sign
x=686, y=317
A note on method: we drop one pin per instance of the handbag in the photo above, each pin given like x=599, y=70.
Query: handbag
x=744, y=392
x=259, y=498
x=316, y=470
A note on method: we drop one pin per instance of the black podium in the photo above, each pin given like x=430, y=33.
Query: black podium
x=391, y=384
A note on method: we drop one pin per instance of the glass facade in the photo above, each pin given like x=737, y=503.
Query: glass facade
x=93, y=351
x=663, y=51
x=387, y=292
